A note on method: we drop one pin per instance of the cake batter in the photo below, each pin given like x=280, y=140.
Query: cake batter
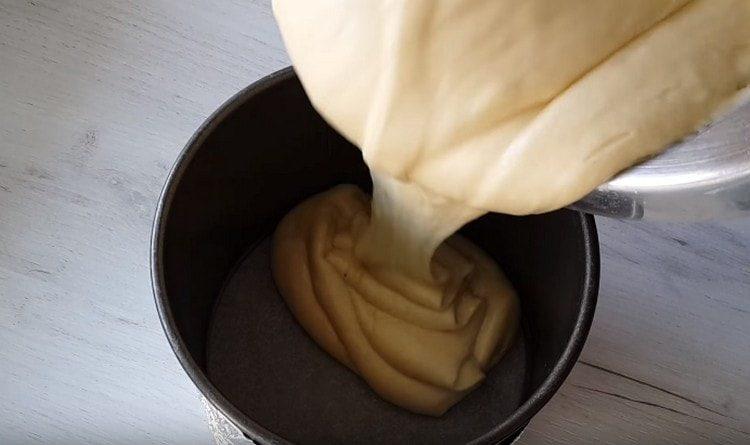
x=465, y=107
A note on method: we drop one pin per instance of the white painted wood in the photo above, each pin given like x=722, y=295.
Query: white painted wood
x=96, y=100
x=668, y=358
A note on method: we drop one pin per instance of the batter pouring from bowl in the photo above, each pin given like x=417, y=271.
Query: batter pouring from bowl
x=465, y=107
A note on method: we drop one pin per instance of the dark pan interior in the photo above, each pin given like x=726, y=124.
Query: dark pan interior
x=261, y=359
x=246, y=170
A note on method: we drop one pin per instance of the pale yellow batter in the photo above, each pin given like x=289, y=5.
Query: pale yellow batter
x=516, y=106
x=467, y=106
x=422, y=344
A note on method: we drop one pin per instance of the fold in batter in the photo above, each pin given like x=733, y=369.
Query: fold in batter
x=464, y=107
x=422, y=344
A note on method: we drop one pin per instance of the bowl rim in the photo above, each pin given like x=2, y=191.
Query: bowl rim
x=511, y=425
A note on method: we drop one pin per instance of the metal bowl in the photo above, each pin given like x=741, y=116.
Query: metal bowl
x=705, y=176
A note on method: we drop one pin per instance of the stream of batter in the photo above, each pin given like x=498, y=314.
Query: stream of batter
x=464, y=107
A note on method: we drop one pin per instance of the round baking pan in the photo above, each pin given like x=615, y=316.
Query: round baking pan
x=259, y=155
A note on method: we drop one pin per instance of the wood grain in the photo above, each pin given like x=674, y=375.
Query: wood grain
x=96, y=100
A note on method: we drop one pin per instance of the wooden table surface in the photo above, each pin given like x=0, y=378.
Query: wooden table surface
x=97, y=99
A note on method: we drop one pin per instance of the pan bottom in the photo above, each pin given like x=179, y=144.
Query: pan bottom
x=269, y=368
